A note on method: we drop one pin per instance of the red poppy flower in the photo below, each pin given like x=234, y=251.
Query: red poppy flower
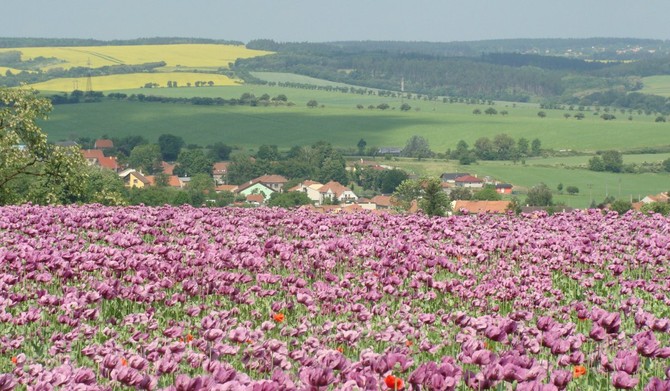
x=124, y=362
x=340, y=349
x=393, y=383
x=14, y=360
x=278, y=317
x=578, y=371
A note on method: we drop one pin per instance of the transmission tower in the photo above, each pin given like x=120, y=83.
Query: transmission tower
x=89, y=82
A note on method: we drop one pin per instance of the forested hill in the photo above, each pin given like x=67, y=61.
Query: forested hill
x=505, y=69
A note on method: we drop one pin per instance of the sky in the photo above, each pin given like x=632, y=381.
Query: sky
x=335, y=20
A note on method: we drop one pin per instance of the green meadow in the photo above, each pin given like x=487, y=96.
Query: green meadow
x=338, y=121
x=656, y=85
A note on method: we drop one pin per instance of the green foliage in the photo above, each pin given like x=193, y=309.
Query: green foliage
x=656, y=207
x=170, y=146
x=417, y=147
x=219, y=151
x=200, y=189
x=572, y=190
x=434, y=201
x=288, y=200
x=621, y=206
x=146, y=158
x=30, y=168
x=383, y=181
x=666, y=164
x=541, y=114
x=539, y=195
x=488, y=193
x=192, y=162
x=312, y=103
x=408, y=191
x=612, y=161
x=460, y=193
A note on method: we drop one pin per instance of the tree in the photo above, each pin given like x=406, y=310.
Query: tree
x=389, y=180
x=490, y=111
x=170, y=146
x=41, y=172
x=579, y=116
x=242, y=169
x=572, y=190
x=146, y=157
x=200, y=188
x=192, y=162
x=312, y=104
x=219, y=151
x=621, y=206
x=522, y=147
x=656, y=207
x=434, y=201
x=536, y=147
x=269, y=153
x=666, y=164
x=333, y=169
x=484, y=149
x=559, y=187
x=361, y=146
x=539, y=195
x=476, y=111
x=289, y=200
x=463, y=153
x=383, y=106
x=488, y=193
x=408, y=191
x=417, y=147
x=541, y=114
x=460, y=193
x=405, y=107
x=504, y=147
x=612, y=161
x=596, y=164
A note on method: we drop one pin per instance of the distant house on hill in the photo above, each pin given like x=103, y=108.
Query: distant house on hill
x=219, y=172
x=660, y=197
x=332, y=191
x=103, y=144
x=504, y=188
x=95, y=157
x=469, y=181
x=252, y=187
x=134, y=179
x=450, y=177
x=168, y=168
x=393, y=151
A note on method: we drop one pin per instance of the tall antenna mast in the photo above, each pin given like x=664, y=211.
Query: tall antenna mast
x=89, y=82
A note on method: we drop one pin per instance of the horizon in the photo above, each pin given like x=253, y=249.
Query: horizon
x=346, y=20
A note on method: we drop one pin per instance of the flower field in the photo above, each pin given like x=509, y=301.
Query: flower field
x=94, y=297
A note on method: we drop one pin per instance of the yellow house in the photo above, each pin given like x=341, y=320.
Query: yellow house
x=132, y=178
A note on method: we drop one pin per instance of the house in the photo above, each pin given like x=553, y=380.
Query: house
x=255, y=199
x=366, y=204
x=334, y=190
x=393, y=151
x=368, y=164
x=469, y=181
x=219, y=172
x=661, y=197
x=503, y=188
x=172, y=181
x=230, y=188
x=450, y=177
x=274, y=182
x=311, y=189
x=103, y=144
x=95, y=157
x=168, y=168
x=498, y=207
x=134, y=179
x=382, y=201
x=252, y=187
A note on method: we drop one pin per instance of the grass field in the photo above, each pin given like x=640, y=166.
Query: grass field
x=341, y=123
x=133, y=80
x=656, y=85
x=182, y=55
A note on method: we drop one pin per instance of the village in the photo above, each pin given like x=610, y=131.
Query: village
x=330, y=197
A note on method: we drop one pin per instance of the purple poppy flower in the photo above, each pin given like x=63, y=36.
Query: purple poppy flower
x=627, y=361
x=656, y=384
x=561, y=378
x=317, y=376
x=623, y=380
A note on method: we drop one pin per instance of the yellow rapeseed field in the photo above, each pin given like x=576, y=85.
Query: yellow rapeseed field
x=182, y=55
x=3, y=70
x=133, y=80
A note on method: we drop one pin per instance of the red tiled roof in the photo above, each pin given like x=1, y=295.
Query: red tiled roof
x=173, y=181
x=109, y=163
x=167, y=168
x=382, y=200
x=103, y=143
x=482, y=206
x=93, y=154
x=220, y=168
x=256, y=198
x=271, y=179
x=230, y=188
x=335, y=187
x=468, y=179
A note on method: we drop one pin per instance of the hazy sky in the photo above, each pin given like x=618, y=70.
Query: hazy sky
x=318, y=21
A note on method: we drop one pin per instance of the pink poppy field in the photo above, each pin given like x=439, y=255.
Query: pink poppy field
x=104, y=298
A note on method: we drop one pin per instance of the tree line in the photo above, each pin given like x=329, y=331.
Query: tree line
x=502, y=147
x=246, y=99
